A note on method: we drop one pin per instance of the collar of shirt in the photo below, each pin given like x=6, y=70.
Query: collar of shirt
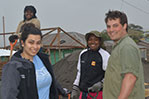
x=115, y=44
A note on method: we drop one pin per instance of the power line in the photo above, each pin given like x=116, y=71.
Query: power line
x=121, y=5
x=135, y=7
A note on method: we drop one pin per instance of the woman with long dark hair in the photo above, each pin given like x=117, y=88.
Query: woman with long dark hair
x=29, y=75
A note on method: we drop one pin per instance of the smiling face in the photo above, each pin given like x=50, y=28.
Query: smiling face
x=28, y=14
x=31, y=46
x=93, y=42
x=116, y=30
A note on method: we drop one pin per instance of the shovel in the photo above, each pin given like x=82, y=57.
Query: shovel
x=12, y=44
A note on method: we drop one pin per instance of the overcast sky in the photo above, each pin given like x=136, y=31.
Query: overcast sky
x=73, y=15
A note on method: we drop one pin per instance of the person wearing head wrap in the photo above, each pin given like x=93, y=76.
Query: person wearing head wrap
x=91, y=67
x=29, y=17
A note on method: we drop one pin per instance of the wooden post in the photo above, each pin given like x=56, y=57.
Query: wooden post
x=49, y=52
x=59, y=50
x=4, y=32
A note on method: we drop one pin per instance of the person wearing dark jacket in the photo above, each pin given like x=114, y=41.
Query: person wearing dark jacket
x=29, y=75
x=91, y=67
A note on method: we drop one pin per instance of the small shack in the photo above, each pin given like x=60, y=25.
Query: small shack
x=144, y=47
x=61, y=44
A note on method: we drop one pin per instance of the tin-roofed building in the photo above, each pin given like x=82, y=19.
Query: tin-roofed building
x=61, y=45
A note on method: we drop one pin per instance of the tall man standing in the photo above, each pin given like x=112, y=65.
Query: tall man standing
x=124, y=77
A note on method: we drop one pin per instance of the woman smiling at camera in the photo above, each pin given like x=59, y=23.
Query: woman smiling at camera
x=29, y=75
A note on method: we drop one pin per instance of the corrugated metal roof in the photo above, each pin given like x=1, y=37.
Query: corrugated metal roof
x=142, y=47
x=4, y=52
x=144, y=43
x=65, y=40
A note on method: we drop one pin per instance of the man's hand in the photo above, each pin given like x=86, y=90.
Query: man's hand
x=75, y=92
x=96, y=87
x=12, y=38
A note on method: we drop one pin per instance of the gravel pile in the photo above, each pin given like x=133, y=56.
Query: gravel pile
x=66, y=69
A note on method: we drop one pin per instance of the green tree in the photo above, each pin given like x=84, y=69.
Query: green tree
x=135, y=34
x=147, y=35
x=105, y=35
x=135, y=27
